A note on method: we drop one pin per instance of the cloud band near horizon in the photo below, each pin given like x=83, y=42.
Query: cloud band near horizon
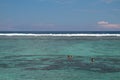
x=108, y=25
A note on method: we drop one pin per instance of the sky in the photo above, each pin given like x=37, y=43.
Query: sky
x=59, y=15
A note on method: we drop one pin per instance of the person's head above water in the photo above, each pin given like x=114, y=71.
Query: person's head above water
x=92, y=59
x=69, y=56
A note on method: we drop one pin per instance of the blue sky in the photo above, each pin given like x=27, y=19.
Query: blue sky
x=59, y=15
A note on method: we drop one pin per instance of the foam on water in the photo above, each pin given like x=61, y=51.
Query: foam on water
x=30, y=34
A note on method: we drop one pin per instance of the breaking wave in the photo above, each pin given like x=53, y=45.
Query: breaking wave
x=25, y=34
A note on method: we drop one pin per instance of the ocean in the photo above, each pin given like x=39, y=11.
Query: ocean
x=60, y=55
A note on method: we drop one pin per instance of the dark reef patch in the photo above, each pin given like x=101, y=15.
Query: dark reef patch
x=4, y=65
x=102, y=64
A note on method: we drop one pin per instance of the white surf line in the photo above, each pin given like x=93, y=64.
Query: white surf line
x=22, y=34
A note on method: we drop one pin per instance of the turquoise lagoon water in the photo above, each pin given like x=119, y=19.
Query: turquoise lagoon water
x=45, y=58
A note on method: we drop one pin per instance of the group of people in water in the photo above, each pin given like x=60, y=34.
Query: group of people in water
x=70, y=58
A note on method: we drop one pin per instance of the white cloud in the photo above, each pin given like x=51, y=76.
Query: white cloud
x=108, y=25
x=102, y=22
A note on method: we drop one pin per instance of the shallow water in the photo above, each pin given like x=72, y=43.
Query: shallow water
x=45, y=58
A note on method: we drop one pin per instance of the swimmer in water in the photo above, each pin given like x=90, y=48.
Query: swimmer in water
x=69, y=57
x=92, y=60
